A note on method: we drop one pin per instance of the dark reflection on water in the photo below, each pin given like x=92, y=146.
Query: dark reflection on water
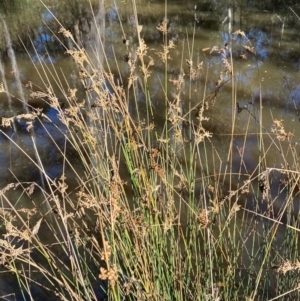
x=14, y=161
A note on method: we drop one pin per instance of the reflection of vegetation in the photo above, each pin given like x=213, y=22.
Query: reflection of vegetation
x=285, y=8
x=22, y=17
x=70, y=11
x=75, y=16
x=8, y=6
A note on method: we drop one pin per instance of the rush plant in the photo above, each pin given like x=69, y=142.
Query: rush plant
x=157, y=211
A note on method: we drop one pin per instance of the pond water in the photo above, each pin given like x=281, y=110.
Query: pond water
x=266, y=87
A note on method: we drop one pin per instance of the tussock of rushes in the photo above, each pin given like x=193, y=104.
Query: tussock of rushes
x=164, y=55
x=194, y=73
x=142, y=49
x=203, y=218
x=201, y=134
x=111, y=275
x=235, y=208
x=225, y=61
x=289, y=266
x=249, y=49
x=49, y=97
x=10, y=252
x=164, y=225
x=162, y=27
x=278, y=129
x=7, y=122
x=264, y=184
x=28, y=118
